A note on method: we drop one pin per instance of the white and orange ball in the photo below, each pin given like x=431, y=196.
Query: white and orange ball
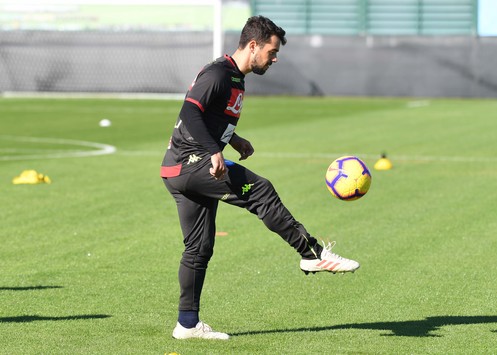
x=348, y=178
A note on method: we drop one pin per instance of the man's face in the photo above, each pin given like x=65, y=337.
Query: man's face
x=264, y=56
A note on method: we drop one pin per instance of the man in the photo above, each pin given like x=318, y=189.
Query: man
x=198, y=177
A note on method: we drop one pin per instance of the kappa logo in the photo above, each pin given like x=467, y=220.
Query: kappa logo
x=246, y=188
x=193, y=159
x=225, y=197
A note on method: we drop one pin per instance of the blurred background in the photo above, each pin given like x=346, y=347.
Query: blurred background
x=415, y=48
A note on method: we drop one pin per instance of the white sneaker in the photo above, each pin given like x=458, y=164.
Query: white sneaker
x=329, y=262
x=201, y=330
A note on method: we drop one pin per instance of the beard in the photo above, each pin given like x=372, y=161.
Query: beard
x=260, y=70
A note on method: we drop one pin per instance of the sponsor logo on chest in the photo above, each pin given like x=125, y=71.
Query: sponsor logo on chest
x=235, y=103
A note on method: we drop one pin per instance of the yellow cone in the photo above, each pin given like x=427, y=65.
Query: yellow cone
x=31, y=177
x=383, y=164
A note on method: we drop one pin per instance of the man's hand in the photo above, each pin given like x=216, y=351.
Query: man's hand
x=219, y=168
x=242, y=146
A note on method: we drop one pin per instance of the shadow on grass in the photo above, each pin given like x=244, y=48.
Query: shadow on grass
x=415, y=328
x=28, y=288
x=34, y=318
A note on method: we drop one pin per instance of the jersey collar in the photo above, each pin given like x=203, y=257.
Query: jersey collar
x=229, y=59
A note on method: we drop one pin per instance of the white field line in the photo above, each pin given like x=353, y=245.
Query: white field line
x=104, y=149
x=99, y=149
x=332, y=156
x=92, y=95
x=377, y=156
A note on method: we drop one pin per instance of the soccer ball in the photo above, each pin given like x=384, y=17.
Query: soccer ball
x=348, y=178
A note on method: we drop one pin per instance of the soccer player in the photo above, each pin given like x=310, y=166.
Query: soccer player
x=198, y=177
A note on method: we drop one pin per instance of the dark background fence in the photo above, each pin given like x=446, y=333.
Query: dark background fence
x=151, y=62
x=423, y=48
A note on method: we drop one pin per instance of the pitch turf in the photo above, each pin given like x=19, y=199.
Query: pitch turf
x=89, y=263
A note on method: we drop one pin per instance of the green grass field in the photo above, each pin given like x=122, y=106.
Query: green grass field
x=89, y=263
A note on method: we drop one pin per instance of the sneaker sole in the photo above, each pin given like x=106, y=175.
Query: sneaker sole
x=324, y=270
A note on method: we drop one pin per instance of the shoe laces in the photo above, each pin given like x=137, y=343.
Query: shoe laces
x=328, y=246
x=203, y=327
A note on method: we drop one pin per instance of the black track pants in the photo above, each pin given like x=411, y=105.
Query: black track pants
x=197, y=195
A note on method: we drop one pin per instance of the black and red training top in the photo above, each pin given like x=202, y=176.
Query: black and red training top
x=207, y=119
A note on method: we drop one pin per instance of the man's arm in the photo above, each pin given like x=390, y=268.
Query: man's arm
x=242, y=146
x=191, y=115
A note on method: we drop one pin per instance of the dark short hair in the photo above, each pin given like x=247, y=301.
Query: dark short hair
x=260, y=29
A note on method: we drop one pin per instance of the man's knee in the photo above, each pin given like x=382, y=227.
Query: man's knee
x=197, y=259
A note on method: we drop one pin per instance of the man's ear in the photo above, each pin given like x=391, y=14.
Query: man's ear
x=252, y=44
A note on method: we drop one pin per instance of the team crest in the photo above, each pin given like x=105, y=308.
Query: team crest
x=235, y=103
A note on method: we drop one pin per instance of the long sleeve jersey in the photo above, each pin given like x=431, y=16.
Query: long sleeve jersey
x=207, y=119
